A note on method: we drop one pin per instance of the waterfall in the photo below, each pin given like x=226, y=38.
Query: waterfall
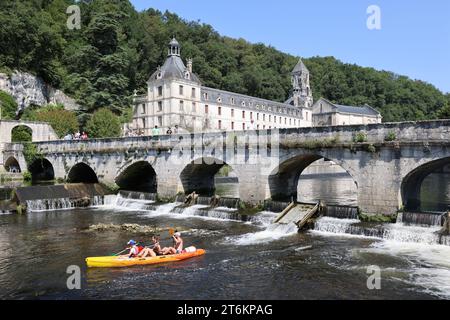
x=63, y=203
x=229, y=203
x=421, y=218
x=342, y=212
x=275, y=206
x=395, y=232
x=204, y=200
x=138, y=195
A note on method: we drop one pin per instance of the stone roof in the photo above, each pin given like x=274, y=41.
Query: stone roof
x=300, y=67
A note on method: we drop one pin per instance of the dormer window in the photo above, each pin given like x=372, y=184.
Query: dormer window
x=219, y=99
x=159, y=75
x=243, y=103
x=232, y=100
x=187, y=75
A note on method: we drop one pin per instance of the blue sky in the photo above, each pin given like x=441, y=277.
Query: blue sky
x=414, y=39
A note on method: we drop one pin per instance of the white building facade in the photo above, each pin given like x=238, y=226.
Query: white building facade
x=176, y=97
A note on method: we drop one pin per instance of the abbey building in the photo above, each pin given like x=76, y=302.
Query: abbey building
x=176, y=97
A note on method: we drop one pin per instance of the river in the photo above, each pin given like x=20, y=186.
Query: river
x=244, y=260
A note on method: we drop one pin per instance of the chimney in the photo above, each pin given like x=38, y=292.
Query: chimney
x=189, y=65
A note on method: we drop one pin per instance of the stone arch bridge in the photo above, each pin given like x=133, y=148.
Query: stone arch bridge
x=388, y=162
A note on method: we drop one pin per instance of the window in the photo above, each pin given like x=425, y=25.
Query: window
x=220, y=124
x=143, y=123
x=257, y=117
x=206, y=108
x=187, y=75
x=264, y=117
x=290, y=121
x=243, y=114
x=243, y=126
x=181, y=106
x=143, y=109
x=194, y=107
x=232, y=125
x=219, y=111
x=181, y=90
x=205, y=96
x=232, y=100
x=232, y=113
x=275, y=119
x=270, y=118
x=160, y=106
x=307, y=116
x=257, y=127
x=160, y=91
x=251, y=115
x=160, y=121
x=193, y=95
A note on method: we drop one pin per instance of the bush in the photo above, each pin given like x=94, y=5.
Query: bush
x=391, y=136
x=104, y=124
x=360, y=137
x=8, y=106
x=27, y=176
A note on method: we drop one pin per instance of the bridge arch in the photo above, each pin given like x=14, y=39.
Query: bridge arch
x=41, y=170
x=199, y=175
x=82, y=173
x=21, y=133
x=12, y=165
x=139, y=176
x=284, y=180
x=412, y=183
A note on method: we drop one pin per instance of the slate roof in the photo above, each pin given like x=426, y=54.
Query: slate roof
x=174, y=68
x=366, y=110
x=250, y=102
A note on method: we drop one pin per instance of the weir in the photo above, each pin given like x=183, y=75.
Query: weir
x=55, y=197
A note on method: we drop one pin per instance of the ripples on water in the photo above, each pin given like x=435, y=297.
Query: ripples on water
x=244, y=260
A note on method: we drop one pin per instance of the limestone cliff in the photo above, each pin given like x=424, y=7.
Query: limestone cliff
x=28, y=89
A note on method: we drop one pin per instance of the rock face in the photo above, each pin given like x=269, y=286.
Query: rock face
x=28, y=89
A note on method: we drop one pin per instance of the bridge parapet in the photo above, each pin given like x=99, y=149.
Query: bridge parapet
x=318, y=137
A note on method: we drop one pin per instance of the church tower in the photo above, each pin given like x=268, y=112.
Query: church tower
x=302, y=95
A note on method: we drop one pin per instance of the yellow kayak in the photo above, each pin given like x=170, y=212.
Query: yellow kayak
x=119, y=262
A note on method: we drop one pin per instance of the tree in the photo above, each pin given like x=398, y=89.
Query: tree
x=444, y=113
x=62, y=121
x=104, y=124
x=21, y=134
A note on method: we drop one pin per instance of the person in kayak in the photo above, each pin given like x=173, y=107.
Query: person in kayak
x=134, y=249
x=154, y=251
x=178, y=245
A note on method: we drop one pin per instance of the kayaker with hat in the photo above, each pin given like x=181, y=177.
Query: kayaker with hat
x=178, y=245
x=134, y=249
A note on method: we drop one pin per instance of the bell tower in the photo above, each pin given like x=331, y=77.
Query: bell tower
x=302, y=95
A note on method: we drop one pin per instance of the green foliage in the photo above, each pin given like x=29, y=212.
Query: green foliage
x=104, y=124
x=391, y=136
x=31, y=153
x=62, y=121
x=371, y=148
x=8, y=106
x=21, y=134
x=360, y=137
x=444, y=113
x=118, y=48
x=27, y=176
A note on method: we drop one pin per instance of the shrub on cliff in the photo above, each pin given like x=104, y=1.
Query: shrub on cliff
x=104, y=124
x=8, y=106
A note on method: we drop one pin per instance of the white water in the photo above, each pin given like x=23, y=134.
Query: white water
x=271, y=233
x=430, y=264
